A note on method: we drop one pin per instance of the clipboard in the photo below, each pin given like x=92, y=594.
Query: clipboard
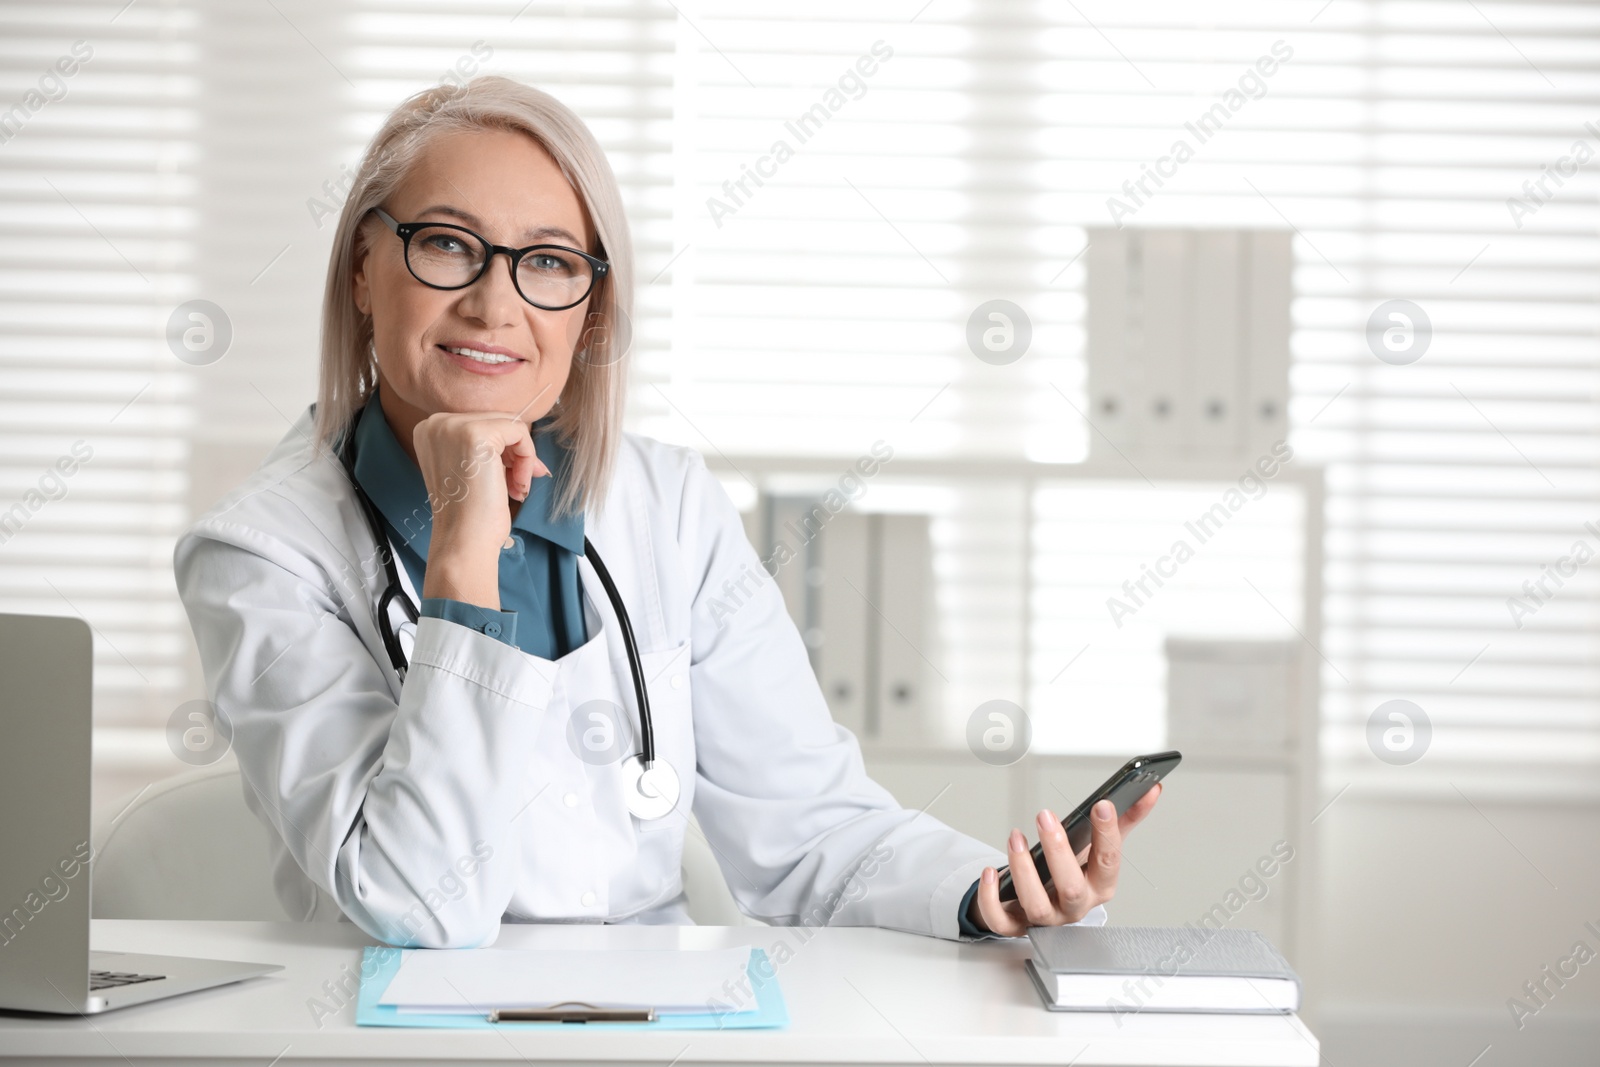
x=383, y=963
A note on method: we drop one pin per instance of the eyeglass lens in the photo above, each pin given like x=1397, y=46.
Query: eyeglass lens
x=451, y=258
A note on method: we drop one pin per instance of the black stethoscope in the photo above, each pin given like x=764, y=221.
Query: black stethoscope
x=650, y=785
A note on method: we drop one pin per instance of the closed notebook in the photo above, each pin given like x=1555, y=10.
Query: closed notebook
x=1129, y=969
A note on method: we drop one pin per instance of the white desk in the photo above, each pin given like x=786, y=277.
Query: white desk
x=855, y=996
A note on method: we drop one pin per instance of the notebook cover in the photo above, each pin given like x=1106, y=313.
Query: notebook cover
x=1162, y=950
x=382, y=964
x=1051, y=1005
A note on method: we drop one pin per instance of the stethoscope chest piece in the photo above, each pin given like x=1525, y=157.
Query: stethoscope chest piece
x=652, y=793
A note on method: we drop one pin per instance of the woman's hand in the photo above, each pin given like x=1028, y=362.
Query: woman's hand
x=473, y=464
x=1078, y=883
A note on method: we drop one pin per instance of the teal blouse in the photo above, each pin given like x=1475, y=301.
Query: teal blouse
x=541, y=606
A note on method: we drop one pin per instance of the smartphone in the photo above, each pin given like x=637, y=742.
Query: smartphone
x=1123, y=789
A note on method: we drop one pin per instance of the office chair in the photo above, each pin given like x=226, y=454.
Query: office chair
x=147, y=858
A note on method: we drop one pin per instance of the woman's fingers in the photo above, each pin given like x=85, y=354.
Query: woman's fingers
x=471, y=462
x=997, y=918
x=460, y=447
x=523, y=465
x=522, y=462
x=1135, y=814
x=1066, y=876
x=1078, y=882
x=1105, y=853
x=1032, y=896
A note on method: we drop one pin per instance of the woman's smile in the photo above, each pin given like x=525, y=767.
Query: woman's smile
x=479, y=358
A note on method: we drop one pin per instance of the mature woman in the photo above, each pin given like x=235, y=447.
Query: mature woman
x=442, y=725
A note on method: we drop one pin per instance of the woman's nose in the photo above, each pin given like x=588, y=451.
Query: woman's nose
x=493, y=299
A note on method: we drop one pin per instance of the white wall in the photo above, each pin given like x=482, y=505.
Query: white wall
x=1430, y=920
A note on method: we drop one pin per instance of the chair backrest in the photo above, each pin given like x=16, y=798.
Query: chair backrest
x=188, y=848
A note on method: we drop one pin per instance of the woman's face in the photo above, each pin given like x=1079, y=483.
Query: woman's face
x=505, y=187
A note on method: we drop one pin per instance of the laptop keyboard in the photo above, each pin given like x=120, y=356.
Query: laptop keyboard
x=113, y=979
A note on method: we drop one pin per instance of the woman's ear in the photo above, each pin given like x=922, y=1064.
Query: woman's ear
x=359, y=290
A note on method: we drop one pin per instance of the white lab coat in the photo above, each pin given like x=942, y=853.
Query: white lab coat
x=432, y=811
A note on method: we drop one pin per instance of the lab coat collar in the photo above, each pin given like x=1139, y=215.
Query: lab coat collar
x=395, y=484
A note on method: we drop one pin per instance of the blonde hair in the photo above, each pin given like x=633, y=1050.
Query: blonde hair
x=588, y=415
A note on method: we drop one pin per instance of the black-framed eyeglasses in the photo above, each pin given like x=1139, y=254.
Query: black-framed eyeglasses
x=443, y=256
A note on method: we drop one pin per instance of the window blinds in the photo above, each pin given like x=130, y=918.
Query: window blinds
x=97, y=158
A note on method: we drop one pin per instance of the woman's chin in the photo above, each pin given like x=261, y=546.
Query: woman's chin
x=476, y=394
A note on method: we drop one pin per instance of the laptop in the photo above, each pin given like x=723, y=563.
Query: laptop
x=46, y=965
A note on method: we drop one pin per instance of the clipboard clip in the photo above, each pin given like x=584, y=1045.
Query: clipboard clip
x=573, y=1011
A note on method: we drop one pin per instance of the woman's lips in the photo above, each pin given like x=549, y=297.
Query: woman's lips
x=479, y=366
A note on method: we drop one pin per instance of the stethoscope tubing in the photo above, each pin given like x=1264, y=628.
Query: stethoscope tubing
x=394, y=590
x=647, y=739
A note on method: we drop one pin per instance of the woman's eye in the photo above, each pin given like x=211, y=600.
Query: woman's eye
x=548, y=264
x=445, y=243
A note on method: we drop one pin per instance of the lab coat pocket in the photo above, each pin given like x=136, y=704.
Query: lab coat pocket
x=666, y=676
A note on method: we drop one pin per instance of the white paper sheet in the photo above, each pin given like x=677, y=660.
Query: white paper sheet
x=481, y=980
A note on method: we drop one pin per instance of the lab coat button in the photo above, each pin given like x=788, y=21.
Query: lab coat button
x=570, y=800
x=587, y=900
x=677, y=681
